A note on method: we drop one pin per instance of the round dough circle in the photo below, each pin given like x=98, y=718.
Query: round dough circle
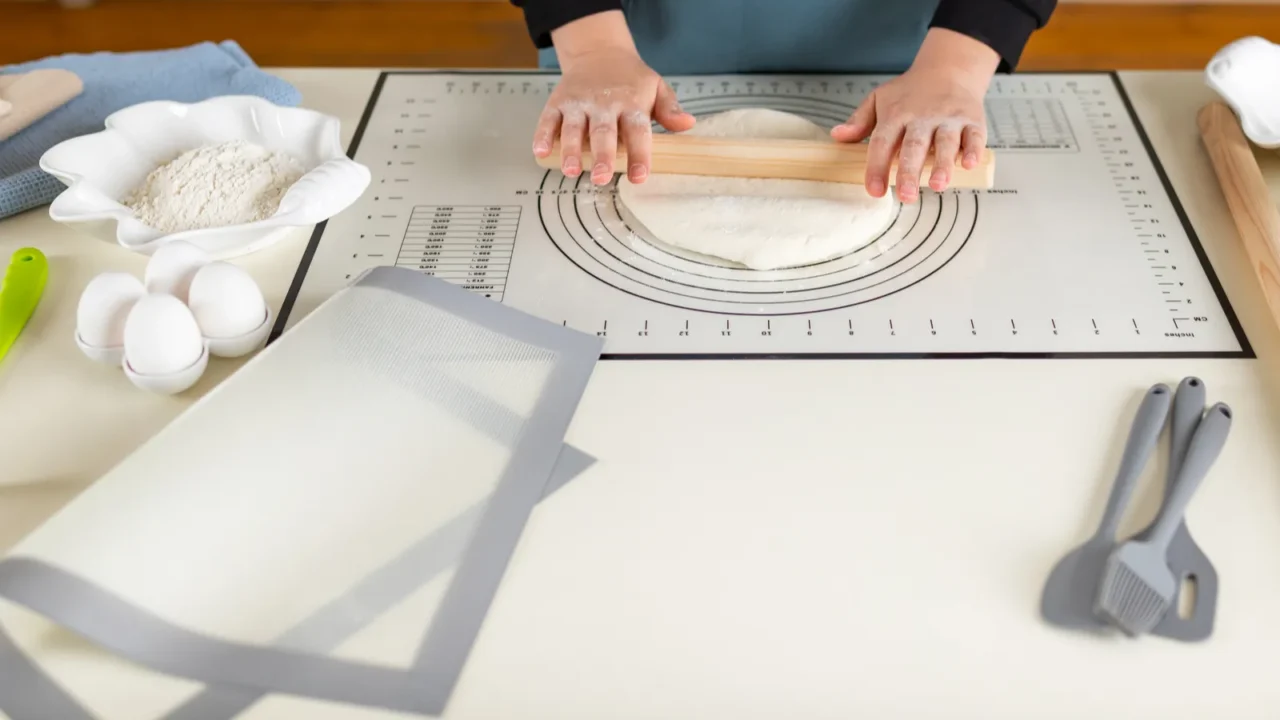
x=764, y=224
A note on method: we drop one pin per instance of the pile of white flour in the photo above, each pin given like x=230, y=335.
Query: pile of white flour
x=227, y=184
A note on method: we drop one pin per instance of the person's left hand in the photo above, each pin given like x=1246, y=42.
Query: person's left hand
x=927, y=111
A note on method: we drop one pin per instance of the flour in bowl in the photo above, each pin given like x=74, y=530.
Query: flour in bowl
x=226, y=184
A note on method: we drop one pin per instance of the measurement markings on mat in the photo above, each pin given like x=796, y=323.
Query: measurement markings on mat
x=1080, y=250
x=470, y=245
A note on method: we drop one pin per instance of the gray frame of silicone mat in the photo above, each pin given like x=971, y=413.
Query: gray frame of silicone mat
x=26, y=693
x=426, y=686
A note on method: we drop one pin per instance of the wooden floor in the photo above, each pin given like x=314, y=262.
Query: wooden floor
x=439, y=33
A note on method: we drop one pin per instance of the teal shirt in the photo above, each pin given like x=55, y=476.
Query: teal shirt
x=695, y=37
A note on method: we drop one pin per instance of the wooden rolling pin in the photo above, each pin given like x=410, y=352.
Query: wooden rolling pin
x=783, y=159
x=1248, y=197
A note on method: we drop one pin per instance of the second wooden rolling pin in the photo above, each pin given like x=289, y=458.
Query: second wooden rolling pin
x=782, y=159
x=1248, y=197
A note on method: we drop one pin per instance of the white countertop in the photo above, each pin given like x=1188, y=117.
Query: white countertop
x=790, y=539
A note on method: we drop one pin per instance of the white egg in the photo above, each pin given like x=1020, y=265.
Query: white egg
x=161, y=336
x=172, y=267
x=226, y=301
x=104, y=306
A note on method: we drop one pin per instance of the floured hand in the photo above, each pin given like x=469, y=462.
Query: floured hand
x=611, y=95
x=606, y=93
x=934, y=109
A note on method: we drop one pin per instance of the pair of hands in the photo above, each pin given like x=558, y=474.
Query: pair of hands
x=933, y=110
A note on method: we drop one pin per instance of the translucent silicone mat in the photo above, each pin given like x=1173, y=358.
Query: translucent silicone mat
x=332, y=522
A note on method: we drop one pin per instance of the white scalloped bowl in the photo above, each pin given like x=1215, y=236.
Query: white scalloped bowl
x=102, y=168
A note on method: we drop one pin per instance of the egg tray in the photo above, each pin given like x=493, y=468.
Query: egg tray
x=163, y=329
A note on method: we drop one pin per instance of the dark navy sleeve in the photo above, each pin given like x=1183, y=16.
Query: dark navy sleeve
x=1003, y=25
x=543, y=16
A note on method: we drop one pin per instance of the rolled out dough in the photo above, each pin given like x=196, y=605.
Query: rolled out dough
x=764, y=224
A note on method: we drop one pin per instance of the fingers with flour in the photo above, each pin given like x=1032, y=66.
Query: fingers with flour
x=860, y=123
x=946, y=143
x=933, y=110
x=607, y=96
x=572, y=133
x=637, y=135
x=604, y=145
x=668, y=112
x=881, y=148
x=973, y=143
x=916, y=143
x=546, y=132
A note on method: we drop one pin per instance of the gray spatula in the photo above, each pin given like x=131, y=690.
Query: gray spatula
x=1138, y=588
x=1071, y=592
x=1185, y=557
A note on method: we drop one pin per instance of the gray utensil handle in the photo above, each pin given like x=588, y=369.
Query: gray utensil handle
x=1188, y=408
x=1205, y=446
x=1143, y=436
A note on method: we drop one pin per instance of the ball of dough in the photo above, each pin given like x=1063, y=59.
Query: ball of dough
x=764, y=224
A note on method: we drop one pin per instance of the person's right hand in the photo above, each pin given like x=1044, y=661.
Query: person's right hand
x=606, y=94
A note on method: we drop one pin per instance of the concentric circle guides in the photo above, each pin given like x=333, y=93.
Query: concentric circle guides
x=595, y=231
x=592, y=229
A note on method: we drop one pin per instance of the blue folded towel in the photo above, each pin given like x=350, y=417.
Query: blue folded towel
x=114, y=81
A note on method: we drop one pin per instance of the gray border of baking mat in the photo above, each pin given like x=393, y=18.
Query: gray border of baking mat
x=336, y=622
x=26, y=693
x=425, y=688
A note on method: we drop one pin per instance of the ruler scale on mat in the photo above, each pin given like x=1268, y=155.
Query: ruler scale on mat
x=1080, y=250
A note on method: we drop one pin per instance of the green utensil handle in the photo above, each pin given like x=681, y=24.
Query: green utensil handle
x=20, y=292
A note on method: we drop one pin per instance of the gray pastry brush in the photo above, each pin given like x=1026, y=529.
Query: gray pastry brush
x=1186, y=559
x=1138, y=587
x=1071, y=591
